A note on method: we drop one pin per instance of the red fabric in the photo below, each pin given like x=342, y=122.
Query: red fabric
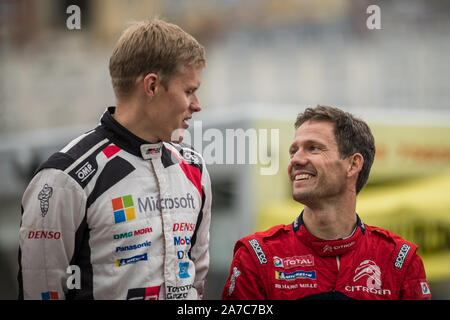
x=192, y=173
x=111, y=150
x=287, y=264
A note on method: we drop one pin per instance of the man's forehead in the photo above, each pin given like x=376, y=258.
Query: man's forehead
x=315, y=130
x=191, y=73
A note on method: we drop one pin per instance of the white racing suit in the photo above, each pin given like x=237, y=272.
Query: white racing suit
x=112, y=216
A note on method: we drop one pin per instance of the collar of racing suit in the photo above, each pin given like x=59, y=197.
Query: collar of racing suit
x=329, y=247
x=125, y=139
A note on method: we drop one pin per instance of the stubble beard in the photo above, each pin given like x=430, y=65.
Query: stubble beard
x=320, y=190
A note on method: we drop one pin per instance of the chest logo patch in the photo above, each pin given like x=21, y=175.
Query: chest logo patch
x=369, y=269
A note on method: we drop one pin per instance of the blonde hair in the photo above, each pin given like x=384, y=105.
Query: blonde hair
x=152, y=46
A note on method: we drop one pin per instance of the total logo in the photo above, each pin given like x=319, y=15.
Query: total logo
x=293, y=262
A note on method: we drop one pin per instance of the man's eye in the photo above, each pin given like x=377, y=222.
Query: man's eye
x=189, y=92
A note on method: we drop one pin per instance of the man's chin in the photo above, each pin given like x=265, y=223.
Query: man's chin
x=303, y=197
x=177, y=136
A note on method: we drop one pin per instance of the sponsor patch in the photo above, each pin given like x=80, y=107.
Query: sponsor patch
x=184, y=266
x=85, y=171
x=401, y=256
x=236, y=273
x=151, y=151
x=134, y=246
x=294, y=262
x=50, y=295
x=122, y=262
x=180, y=292
x=299, y=274
x=149, y=293
x=425, y=288
x=369, y=274
x=44, y=234
x=369, y=269
x=123, y=208
x=44, y=197
x=258, y=251
x=134, y=233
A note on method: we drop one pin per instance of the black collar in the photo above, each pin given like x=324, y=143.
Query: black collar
x=329, y=247
x=123, y=138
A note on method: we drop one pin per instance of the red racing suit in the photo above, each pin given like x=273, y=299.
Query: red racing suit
x=287, y=262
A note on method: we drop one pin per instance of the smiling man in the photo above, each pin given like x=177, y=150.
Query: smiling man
x=327, y=252
x=123, y=211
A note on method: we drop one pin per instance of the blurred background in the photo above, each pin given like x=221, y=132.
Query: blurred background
x=267, y=61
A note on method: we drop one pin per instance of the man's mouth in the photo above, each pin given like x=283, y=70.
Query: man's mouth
x=303, y=176
x=185, y=122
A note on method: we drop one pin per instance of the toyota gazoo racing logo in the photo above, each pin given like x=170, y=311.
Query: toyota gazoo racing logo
x=373, y=283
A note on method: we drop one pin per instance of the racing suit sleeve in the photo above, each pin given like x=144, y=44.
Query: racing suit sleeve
x=200, y=250
x=244, y=281
x=52, y=208
x=415, y=285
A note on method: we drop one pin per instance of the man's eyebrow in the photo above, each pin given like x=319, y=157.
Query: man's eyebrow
x=292, y=147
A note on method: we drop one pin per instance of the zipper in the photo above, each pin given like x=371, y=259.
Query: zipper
x=338, y=261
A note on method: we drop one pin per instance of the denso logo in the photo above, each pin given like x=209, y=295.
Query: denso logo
x=181, y=241
x=41, y=234
x=293, y=262
x=183, y=226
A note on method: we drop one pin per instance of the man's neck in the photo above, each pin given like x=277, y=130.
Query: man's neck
x=128, y=115
x=330, y=222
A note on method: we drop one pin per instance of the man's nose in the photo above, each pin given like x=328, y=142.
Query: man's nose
x=299, y=158
x=195, y=104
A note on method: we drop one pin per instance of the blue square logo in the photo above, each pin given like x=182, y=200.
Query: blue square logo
x=119, y=216
x=184, y=266
x=45, y=295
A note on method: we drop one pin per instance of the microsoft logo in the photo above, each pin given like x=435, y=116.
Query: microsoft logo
x=123, y=208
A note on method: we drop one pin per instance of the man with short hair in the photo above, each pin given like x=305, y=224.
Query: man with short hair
x=327, y=252
x=123, y=212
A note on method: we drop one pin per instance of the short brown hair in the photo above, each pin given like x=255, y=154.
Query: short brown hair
x=152, y=46
x=352, y=135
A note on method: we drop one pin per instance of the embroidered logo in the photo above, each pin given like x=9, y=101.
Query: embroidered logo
x=258, y=251
x=369, y=269
x=44, y=197
x=401, y=256
x=236, y=273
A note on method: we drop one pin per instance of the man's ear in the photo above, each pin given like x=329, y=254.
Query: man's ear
x=355, y=165
x=150, y=84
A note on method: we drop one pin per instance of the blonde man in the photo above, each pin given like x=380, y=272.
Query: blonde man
x=123, y=211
